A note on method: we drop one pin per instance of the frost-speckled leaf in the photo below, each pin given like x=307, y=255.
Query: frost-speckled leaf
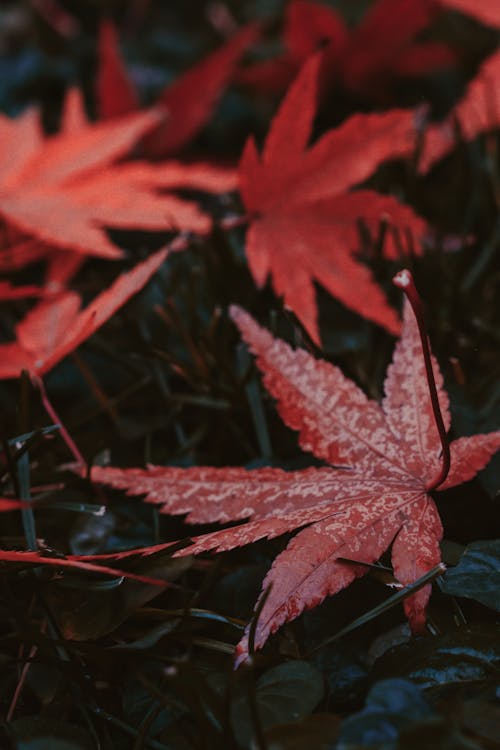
x=385, y=457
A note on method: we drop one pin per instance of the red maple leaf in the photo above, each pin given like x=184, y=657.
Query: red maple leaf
x=60, y=192
x=384, y=461
x=188, y=102
x=362, y=61
x=56, y=326
x=304, y=222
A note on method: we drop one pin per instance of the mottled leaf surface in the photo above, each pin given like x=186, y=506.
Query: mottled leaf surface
x=385, y=457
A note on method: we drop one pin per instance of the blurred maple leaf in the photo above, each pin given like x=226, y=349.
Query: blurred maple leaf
x=362, y=61
x=9, y=292
x=188, y=102
x=7, y=505
x=384, y=461
x=486, y=11
x=56, y=326
x=478, y=111
x=60, y=192
x=303, y=214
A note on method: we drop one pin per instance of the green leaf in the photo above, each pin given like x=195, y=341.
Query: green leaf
x=140, y=705
x=465, y=655
x=477, y=575
x=345, y=671
x=390, y=705
x=283, y=694
x=87, y=611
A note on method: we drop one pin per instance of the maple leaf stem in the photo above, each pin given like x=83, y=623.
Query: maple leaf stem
x=38, y=382
x=404, y=281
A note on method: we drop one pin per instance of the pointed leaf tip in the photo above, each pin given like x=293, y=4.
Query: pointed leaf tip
x=291, y=127
x=115, y=91
x=372, y=497
x=303, y=212
x=193, y=96
x=236, y=313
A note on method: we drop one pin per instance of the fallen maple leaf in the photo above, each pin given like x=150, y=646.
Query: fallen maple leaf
x=362, y=61
x=57, y=326
x=385, y=460
x=304, y=222
x=63, y=191
x=188, y=102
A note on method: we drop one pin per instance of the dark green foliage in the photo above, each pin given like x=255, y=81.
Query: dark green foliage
x=93, y=663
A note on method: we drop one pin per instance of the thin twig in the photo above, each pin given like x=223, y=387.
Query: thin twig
x=38, y=382
x=23, y=675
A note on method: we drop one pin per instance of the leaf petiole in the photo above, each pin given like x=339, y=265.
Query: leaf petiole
x=404, y=281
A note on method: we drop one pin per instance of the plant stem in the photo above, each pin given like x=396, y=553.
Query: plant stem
x=392, y=601
x=404, y=281
x=23, y=469
x=38, y=382
x=22, y=678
